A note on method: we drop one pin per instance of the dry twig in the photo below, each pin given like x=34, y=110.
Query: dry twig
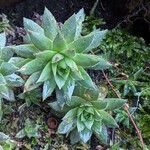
x=126, y=109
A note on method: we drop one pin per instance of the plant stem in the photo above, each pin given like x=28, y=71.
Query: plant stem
x=126, y=109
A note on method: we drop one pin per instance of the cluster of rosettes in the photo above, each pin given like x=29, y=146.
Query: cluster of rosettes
x=57, y=56
x=87, y=115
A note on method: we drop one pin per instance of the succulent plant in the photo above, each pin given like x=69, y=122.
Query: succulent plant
x=87, y=114
x=55, y=55
x=8, y=78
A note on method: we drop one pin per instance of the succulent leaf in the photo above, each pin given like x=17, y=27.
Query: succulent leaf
x=69, y=88
x=107, y=118
x=101, y=133
x=80, y=16
x=114, y=103
x=85, y=135
x=40, y=41
x=65, y=127
x=48, y=88
x=31, y=25
x=6, y=53
x=2, y=40
x=86, y=60
x=46, y=73
x=69, y=29
x=32, y=66
x=7, y=68
x=59, y=43
x=50, y=25
x=26, y=50
x=88, y=42
x=14, y=80
x=31, y=82
x=19, y=61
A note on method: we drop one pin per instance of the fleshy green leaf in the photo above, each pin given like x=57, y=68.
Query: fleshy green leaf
x=54, y=69
x=86, y=60
x=65, y=127
x=26, y=50
x=32, y=66
x=80, y=125
x=100, y=132
x=40, y=41
x=68, y=88
x=99, y=104
x=85, y=135
x=31, y=82
x=102, y=64
x=71, y=64
x=1, y=110
x=54, y=105
x=86, y=93
x=59, y=43
x=61, y=98
x=89, y=123
x=62, y=64
x=7, y=68
x=81, y=44
x=76, y=75
x=31, y=25
x=114, y=103
x=98, y=37
x=6, y=53
x=46, y=73
x=14, y=80
x=69, y=53
x=87, y=81
x=107, y=119
x=2, y=40
x=79, y=19
x=69, y=29
x=97, y=127
x=70, y=115
x=60, y=81
x=49, y=24
x=45, y=55
x=18, y=61
x=48, y=88
x=57, y=58
x=75, y=101
x=1, y=61
x=88, y=42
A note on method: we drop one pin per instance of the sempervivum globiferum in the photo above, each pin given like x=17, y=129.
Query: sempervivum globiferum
x=87, y=113
x=55, y=55
x=8, y=78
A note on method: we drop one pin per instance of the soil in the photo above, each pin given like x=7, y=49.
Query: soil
x=130, y=14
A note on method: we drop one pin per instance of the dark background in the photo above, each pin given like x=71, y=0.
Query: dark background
x=134, y=15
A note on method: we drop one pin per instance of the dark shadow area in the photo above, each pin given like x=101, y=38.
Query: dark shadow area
x=130, y=14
